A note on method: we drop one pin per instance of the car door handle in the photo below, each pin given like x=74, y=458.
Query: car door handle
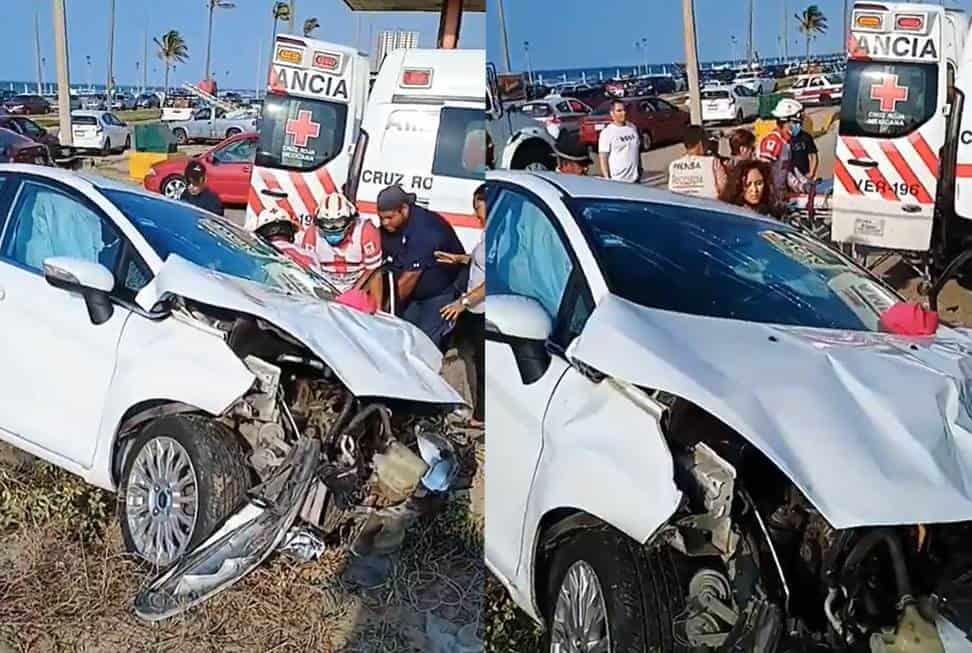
x=273, y=193
x=863, y=163
x=911, y=208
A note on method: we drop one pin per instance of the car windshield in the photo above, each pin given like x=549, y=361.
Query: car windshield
x=715, y=264
x=214, y=243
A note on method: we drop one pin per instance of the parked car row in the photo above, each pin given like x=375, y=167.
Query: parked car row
x=657, y=120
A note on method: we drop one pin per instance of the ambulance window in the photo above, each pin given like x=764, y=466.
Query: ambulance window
x=888, y=99
x=460, y=146
x=299, y=133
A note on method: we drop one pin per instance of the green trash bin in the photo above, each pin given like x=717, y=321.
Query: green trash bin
x=768, y=102
x=155, y=137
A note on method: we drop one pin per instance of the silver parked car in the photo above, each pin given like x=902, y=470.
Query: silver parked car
x=212, y=124
x=556, y=113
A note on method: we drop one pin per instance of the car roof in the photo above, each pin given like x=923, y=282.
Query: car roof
x=81, y=180
x=587, y=187
x=89, y=112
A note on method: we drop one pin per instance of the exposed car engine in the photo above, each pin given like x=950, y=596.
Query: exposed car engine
x=767, y=572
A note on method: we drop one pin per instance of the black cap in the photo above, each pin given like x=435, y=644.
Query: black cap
x=393, y=197
x=569, y=147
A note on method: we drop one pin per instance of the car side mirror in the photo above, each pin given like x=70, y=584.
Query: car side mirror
x=92, y=281
x=525, y=326
x=212, y=159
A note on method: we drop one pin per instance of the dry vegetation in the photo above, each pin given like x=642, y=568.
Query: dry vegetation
x=65, y=583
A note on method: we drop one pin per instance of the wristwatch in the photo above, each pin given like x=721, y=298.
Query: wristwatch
x=464, y=301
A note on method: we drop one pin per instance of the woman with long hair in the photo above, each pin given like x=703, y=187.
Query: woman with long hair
x=750, y=185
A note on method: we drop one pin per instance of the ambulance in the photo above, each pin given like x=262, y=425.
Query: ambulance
x=902, y=63
x=425, y=129
x=315, y=103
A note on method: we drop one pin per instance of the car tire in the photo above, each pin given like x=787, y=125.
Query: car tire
x=106, y=146
x=641, y=591
x=182, y=138
x=826, y=100
x=207, y=461
x=740, y=117
x=173, y=186
x=233, y=131
x=647, y=142
x=128, y=143
x=535, y=156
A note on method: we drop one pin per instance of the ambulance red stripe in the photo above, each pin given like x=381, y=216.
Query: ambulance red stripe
x=858, y=152
x=462, y=220
x=306, y=196
x=325, y=178
x=963, y=170
x=272, y=184
x=845, y=178
x=253, y=201
x=907, y=174
x=925, y=152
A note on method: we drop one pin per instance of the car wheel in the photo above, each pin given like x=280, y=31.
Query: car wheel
x=535, y=157
x=825, y=100
x=740, y=118
x=182, y=138
x=183, y=476
x=106, y=146
x=173, y=187
x=646, y=141
x=608, y=592
x=128, y=142
x=233, y=131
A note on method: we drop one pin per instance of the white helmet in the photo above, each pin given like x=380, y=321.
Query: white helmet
x=787, y=108
x=274, y=222
x=334, y=215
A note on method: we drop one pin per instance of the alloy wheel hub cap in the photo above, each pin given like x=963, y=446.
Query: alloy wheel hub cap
x=580, y=622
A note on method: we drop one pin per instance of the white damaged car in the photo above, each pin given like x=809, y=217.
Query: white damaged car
x=700, y=440
x=164, y=353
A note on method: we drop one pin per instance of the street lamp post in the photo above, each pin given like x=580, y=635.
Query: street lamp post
x=732, y=49
x=64, y=134
x=526, y=51
x=506, y=42
x=692, y=60
x=213, y=5
x=644, y=52
x=641, y=58
x=109, y=87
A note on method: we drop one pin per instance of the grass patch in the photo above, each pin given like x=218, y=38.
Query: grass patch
x=138, y=115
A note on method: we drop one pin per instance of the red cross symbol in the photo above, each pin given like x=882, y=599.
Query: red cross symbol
x=889, y=93
x=302, y=128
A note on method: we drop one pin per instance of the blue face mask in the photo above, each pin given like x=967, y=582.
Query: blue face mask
x=334, y=237
x=795, y=128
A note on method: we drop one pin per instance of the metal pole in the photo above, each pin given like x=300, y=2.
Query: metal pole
x=63, y=80
x=692, y=61
x=209, y=38
x=786, y=40
x=506, y=42
x=749, y=52
x=109, y=88
x=259, y=69
x=526, y=53
x=37, y=54
x=846, y=21
x=293, y=15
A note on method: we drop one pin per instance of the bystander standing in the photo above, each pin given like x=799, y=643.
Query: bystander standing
x=696, y=172
x=619, y=147
x=196, y=192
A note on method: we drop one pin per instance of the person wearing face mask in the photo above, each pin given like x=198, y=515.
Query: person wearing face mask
x=776, y=149
x=749, y=185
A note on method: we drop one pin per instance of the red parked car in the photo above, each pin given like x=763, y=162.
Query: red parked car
x=15, y=148
x=657, y=120
x=228, y=167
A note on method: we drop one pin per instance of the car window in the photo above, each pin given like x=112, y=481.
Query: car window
x=710, y=263
x=563, y=107
x=817, y=82
x=241, y=151
x=300, y=133
x=29, y=127
x=891, y=100
x=714, y=94
x=800, y=83
x=220, y=113
x=46, y=222
x=577, y=106
x=460, y=144
x=84, y=120
x=524, y=253
x=202, y=114
x=646, y=107
x=176, y=228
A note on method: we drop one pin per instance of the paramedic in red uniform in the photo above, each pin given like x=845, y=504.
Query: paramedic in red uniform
x=775, y=149
x=276, y=228
x=411, y=236
x=347, y=247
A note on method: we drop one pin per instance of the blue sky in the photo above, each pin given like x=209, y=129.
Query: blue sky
x=237, y=35
x=573, y=34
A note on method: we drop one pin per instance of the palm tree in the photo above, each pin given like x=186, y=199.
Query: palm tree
x=171, y=50
x=281, y=11
x=812, y=23
x=310, y=25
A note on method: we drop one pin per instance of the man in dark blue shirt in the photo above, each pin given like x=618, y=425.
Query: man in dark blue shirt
x=410, y=237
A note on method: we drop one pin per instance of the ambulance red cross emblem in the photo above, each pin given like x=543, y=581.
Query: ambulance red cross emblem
x=888, y=93
x=302, y=128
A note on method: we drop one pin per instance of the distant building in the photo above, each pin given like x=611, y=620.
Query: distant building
x=389, y=41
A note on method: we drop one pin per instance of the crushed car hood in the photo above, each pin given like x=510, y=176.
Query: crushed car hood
x=875, y=429
x=373, y=355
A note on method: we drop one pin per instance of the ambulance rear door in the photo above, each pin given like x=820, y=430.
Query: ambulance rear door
x=311, y=116
x=892, y=127
x=425, y=127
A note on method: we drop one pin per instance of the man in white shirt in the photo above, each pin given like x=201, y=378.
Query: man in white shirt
x=619, y=147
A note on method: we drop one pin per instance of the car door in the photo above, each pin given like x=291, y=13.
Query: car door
x=667, y=116
x=216, y=124
x=228, y=174
x=526, y=256
x=58, y=363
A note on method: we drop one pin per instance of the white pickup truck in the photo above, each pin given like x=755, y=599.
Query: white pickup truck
x=212, y=124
